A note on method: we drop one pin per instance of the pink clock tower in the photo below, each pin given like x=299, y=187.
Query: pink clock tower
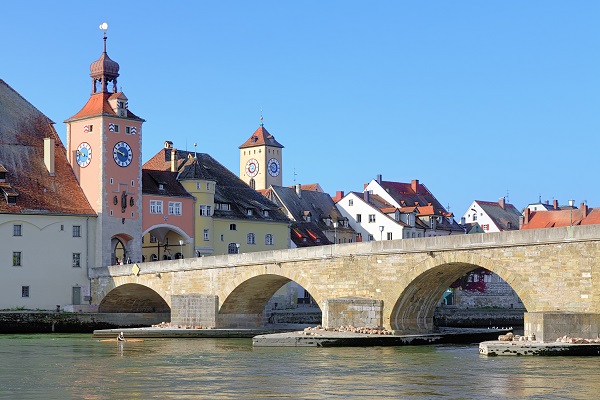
x=104, y=142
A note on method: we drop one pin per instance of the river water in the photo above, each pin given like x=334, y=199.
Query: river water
x=75, y=366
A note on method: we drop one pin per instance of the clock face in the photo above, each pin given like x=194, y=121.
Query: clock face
x=273, y=167
x=83, y=155
x=252, y=168
x=122, y=154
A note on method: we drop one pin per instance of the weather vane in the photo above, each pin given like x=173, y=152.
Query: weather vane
x=104, y=27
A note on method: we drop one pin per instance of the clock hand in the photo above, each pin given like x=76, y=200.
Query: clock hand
x=121, y=153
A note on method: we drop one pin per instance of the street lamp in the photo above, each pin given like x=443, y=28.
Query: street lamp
x=381, y=227
x=571, y=204
x=181, y=248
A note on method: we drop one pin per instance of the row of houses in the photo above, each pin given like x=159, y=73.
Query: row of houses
x=69, y=208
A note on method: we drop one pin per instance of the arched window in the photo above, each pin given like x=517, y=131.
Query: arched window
x=153, y=257
x=232, y=248
x=269, y=239
x=251, y=239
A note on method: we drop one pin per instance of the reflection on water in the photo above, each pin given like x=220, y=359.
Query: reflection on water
x=79, y=367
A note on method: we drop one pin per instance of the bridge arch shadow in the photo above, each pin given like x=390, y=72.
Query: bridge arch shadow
x=244, y=305
x=133, y=298
x=414, y=309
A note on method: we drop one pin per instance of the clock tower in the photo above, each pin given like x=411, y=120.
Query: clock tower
x=104, y=142
x=261, y=160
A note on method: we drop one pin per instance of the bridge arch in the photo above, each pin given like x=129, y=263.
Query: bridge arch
x=246, y=295
x=422, y=288
x=133, y=298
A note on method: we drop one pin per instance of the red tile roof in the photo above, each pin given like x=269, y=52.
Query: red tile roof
x=98, y=105
x=261, y=137
x=557, y=218
x=22, y=132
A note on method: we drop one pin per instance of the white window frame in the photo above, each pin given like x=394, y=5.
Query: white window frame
x=206, y=235
x=269, y=239
x=156, y=206
x=251, y=238
x=17, y=259
x=204, y=210
x=17, y=230
x=174, y=208
x=76, y=230
x=76, y=260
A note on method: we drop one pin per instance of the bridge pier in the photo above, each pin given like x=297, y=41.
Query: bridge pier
x=354, y=311
x=194, y=310
x=548, y=326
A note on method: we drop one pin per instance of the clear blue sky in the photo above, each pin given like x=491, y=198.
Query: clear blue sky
x=476, y=99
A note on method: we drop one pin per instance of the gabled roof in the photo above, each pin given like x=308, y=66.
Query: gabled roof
x=506, y=218
x=229, y=189
x=406, y=195
x=558, y=218
x=261, y=137
x=98, y=104
x=22, y=131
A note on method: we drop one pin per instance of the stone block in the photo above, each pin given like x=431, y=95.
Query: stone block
x=352, y=311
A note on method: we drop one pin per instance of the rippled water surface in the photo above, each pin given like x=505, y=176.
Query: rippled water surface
x=79, y=367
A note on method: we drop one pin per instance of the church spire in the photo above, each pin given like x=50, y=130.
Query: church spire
x=104, y=70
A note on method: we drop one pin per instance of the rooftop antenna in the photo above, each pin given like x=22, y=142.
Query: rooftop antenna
x=540, y=198
x=295, y=176
x=261, y=118
x=507, y=196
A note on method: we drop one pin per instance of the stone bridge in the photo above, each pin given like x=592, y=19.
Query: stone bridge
x=395, y=284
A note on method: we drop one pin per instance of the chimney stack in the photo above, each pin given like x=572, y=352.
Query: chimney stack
x=501, y=202
x=174, y=160
x=338, y=195
x=379, y=179
x=414, y=185
x=366, y=196
x=584, y=210
x=49, y=155
x=526, y=216
x=299, y=190
x=555, y=204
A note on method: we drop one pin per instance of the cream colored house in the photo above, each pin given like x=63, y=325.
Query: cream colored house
x=47, y=226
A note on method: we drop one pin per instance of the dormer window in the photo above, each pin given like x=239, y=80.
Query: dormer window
x=265, y=213
x=161, y=186
x=249, y=211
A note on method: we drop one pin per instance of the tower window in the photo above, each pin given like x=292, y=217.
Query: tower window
x=17, y=230
x=76, y=260
x=76, y=231
x=17, y=259
x=24, y=291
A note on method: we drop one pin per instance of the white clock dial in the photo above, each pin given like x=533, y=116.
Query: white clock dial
x=83, y=155
x=273, y=167
x=122, y=154
x=252, y=168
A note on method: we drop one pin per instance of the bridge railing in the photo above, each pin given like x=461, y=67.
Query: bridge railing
x=531, y=237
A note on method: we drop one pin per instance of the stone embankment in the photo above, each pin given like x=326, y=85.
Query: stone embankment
x=515, y=345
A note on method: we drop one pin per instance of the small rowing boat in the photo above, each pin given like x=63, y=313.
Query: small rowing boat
x=126, y=340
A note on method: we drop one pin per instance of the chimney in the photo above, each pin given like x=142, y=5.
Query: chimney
x=584, y=210
x=338, y=196
x=174, y=160
x=49, y=155
x=299, y=190
x=521, y=221
x=526, y=216
x=501, y=202
x=463, y=220
x=555, y=204
x=379, y=179
x=414, y=185
x=366, y=196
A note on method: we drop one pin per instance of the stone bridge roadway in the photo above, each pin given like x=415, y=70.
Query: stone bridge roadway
x=395, y=284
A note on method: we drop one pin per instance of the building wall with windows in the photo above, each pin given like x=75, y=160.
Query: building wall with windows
x=204, y=193
x=45, y=260
x=250, y=235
